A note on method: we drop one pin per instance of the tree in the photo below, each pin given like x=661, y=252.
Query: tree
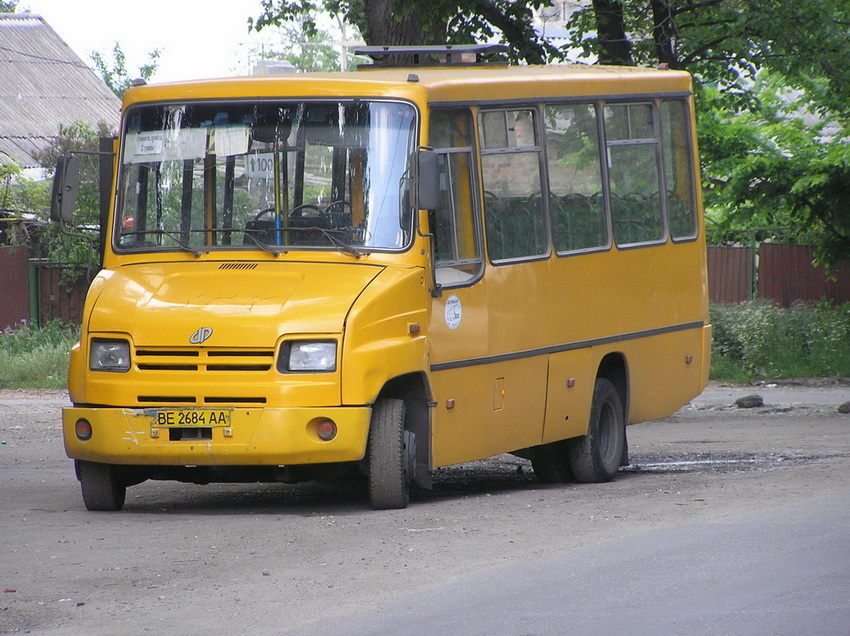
x=411, y=22
x=116, y=76
x=306, y=46
x=8, y=6
x=724, y=41
x=52, y=243
x=776, y=165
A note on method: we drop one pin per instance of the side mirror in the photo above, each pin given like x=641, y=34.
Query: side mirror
x=66, y=182
x=428, y=180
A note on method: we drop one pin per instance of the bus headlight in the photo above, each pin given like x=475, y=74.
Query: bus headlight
x=109, y=355
x=302, y=356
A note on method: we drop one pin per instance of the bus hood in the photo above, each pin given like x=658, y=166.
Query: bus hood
x=225, y=304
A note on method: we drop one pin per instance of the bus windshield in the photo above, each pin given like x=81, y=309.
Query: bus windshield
x=266, y=175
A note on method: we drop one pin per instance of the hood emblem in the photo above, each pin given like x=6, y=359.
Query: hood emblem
x=201, y=335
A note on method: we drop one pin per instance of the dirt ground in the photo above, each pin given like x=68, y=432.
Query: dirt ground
x=274, y=558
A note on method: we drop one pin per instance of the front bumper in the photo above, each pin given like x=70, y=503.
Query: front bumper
x=216, y=437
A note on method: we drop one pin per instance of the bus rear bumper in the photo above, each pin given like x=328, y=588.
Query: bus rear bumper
x=215, y=437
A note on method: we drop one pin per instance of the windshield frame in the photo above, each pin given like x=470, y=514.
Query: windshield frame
x=405, y=214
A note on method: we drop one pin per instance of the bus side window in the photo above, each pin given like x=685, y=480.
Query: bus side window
x=513, y=206
x=454, y=223
x=632, y=150
x=575, y=177
x=677, y=169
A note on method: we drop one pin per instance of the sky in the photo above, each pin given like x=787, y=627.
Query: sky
x=195, y=41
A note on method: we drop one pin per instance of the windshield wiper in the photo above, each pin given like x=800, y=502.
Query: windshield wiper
x=176, y=239
x=250, y=234
x=341, y=245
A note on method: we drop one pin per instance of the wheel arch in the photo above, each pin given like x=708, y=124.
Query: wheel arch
x=415, y=390
x=614, y=368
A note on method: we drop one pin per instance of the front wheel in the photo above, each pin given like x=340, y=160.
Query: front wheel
x=387, y=452
x=595, y=457
x=102, y=488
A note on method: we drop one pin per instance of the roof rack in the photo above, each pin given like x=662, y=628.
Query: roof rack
x=434, y=55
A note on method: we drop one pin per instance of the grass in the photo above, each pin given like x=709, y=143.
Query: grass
x=35, y=358
x=752, y=341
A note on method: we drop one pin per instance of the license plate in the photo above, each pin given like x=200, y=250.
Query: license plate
x=190, y=417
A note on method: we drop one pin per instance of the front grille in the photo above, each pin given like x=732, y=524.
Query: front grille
x=234, y=400
x=204, y=360
x=168, y=400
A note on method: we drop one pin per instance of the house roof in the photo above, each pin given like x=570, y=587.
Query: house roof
x=44, y=83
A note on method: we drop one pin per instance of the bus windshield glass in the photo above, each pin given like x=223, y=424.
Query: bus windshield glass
x=266, y=175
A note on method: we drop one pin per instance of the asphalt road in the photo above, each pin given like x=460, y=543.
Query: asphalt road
x=729, y=521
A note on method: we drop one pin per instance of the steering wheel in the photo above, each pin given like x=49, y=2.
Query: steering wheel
x=339, y=212
x=297, y=211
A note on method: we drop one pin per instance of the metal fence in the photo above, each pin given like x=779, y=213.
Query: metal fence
x=38, y=290
x=61, y=291
x=14, y=286
x=779, y=272
x=731, y=274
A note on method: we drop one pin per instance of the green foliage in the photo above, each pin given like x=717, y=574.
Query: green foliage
x=307, y=47
x=51, y=243
x=726, y=42
x=116, y=76
x=79, y=136
x=758, y=340
x=9, y=173
x=414, y=22
x=8, y=6
x=19, y=197
x=35, y=358
x=776, y=165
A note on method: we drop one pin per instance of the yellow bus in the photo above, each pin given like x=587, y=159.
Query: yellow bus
x=432, y=260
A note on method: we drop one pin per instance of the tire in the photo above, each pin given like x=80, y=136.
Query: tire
x=388, y=474
x=102, y=489
x=551, y=463
x=595, y=457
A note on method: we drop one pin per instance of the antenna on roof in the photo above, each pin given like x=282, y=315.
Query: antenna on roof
x=434, y=55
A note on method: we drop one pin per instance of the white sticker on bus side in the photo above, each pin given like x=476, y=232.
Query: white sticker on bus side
x=454, y=311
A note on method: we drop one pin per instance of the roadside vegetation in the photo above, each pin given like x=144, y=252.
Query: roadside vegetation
x=753, y=341
x=759, y=341
x=35, y=358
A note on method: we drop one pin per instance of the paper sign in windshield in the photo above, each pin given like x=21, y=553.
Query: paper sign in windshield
x=158, y=145
x=260, y=166
x=230, y=140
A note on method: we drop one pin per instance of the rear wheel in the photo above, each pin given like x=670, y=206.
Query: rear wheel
x=595, y=457
x=387, y=452
x=101, y=486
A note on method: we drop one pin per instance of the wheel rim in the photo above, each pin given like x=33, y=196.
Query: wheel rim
x=608, y=431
